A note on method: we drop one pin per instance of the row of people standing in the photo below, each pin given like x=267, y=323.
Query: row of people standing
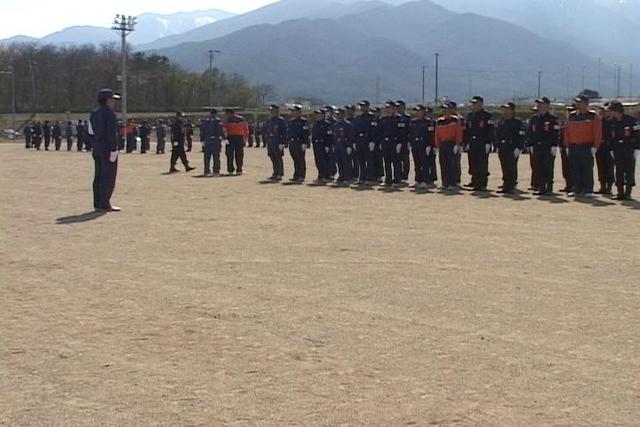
x=46, y=133
x=376, y=146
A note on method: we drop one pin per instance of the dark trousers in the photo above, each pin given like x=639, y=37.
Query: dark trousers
x=104, y=180
x=625, y=161
x=178, y=153
x=299, y=161
x=566, y=169
x=419, y=152
x=543, y=164
x=392, y=163
x=431, y=170
x=378, y=161
x=37, y=142
x=250, y=142
x=405, y=161
x=345, y=163
x=144, y=145
x=332, y=166
x=449, y=164
x=212, y=152
x=69, y=143
x=581, y=166
x=121, y=143
x=276, y=158
x=366, y=165
x=131, y=143
x=478, y=165
x=235, y=153
x=189, y=143
x=27, y=142
x=80, y=143
x=47, y=142
x=509, y=165
x=321, y=158
x=605, y=166
x=355, y=166
x=160, y=146
x=58, y=143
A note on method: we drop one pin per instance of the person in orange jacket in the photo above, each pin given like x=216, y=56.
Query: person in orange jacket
x=237, y=130
x=448, y=142
x=582, y=136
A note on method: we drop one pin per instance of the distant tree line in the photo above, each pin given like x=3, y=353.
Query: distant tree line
x=60, y=79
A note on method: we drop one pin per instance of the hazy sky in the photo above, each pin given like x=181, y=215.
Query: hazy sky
x=40, y=17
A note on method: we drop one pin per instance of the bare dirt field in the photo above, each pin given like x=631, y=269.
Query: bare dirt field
x=227, y=302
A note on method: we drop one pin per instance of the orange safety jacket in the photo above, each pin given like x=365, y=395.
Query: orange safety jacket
x=449, y=128
x=236, y=126
x=583, y=129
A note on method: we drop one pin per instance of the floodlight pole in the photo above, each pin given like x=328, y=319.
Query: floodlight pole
x=124, y=25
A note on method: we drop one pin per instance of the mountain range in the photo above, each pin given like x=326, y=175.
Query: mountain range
x=150, y=27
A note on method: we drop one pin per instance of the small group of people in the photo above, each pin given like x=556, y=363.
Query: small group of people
x=377, y=146
x=45, y=133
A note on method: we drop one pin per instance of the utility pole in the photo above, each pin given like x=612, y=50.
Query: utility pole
x=583, y=70
x=618, y=78
x=124, y=25
x=32, y=68
x=630, y=80
x=437, y=77
x=378, y=90
x=539, y=84
x=599, y=75
x=12, y=71
x=470, y=88
x=423, y=83
x=211, y=81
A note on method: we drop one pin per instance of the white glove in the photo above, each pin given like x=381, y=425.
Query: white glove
x=174, y=143
x=613, y=155
x=355, y=147
x=637, y=153
x=487, y=148
x=516, y=153
x=436, y=151
x=428, y=150
x=456, y=149
x=409, y=147
x=327, y=149
x=566, y=150
x=281, y=147
x=225, y=141
x=304, y=147
x=349, y=149
x=398, y=148
x=554, y=151
x=594, y=150
x=372, y=146
x=113, y=156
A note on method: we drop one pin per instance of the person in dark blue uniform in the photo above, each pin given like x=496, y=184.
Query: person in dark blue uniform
x=104, y=128
x=405, y=120
x=604, y=160
x=28, y=133
x=46, y=130
x=478, y=142
x=378, y=161
x=56, y=134
x=80, y=135
x=212, y=134
x=390, y=134
x=421, y=137
x=36, y=136
x=350, y=116
x=275, y=136
x=343, y=147
x=510, y=140
x=365, y=146
x=321, y=138
x=68, y=134
x=161, y=137
x=178, y=141
x=298, y=132
x=625, y=137
x=333, y=166
x=542, y=138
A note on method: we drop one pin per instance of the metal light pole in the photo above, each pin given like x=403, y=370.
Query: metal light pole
x=12, y=71
x=539, y=84
x=437, y=76
x=124, y=25
x=423, y=83
x=211, y=82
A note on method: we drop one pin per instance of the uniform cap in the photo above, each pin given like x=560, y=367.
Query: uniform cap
x=449, y=104
x=178, y=114
x=339, y=110
x=477, y=99
x=375, y=109
x=274, y=107
x=616, y=106
x=571, y=107
x=509, y=106
x=329, y=107
x=400, y=102
x=321, y=111
x=390, y=104
x=350, y=107
x=419, y=107
x=543, y=100
x=295, y=108
x=581, y=98
x=105, y=94
x=213, y=111
x=364, y=103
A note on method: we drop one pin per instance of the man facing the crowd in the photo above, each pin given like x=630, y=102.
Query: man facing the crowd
x=275, y=136
x=448, y=142
x=178, y=141
x=510, y=139
x=212, y=135
x=104, y=128
x=298, y=137
x=237, y=132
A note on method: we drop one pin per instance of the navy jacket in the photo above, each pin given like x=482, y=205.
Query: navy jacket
x=298, y=131
x=104, y=124
x=510, y=132
x=422, y=132
x=275, y=131
x=212, y=129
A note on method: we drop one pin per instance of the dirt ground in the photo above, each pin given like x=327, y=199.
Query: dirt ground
x=227, y=302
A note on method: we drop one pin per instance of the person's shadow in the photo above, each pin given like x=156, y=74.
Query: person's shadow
x=85, y=217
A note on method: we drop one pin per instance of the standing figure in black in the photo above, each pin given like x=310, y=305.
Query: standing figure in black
x=390, y=134
x=298, y=132
x=478, y=142
x=321, y=137
x=364, y=143
x=80, y=135
x=212, y=135
x=421, y=138
x=275, y=136
x=405, y=120
x=161, y=135
x=36, y=136
x=68, y=134
x=542, y=136
x=178, y=141
x=189, y=135
x=28, y=133
x=624, y=134
x=104, y=129
x=46, y=130
x=510, y=140
x=56, y=133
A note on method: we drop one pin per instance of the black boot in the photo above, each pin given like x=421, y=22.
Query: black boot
x=627, y=194
x=621, y=193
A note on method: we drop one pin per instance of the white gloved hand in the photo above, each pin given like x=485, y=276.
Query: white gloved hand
x=304, y=147
x=516, y=153
x=372, y=146
x=409, y=147
x=594, y=150
x=355, y=147
x=281, y=147
x=327, y=149
x=174, y=143
x=113, y=156
x=349, y=150
x=613, y=155
x=487, y=148
x=225, y=141
x=566, y=150
x=636, y=153
x=428, y=150
x=436, y=151
x=456, y=149
x=554, y=151
x=398, y=148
